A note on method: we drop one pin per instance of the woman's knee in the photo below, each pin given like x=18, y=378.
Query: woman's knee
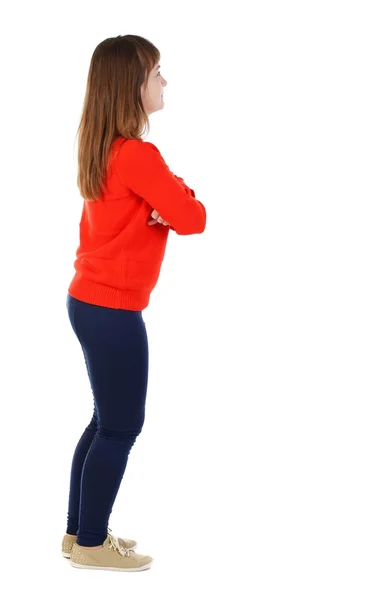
x=125, y=437
x=93, y=425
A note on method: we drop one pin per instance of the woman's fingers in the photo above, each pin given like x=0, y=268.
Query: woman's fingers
x=157, y=219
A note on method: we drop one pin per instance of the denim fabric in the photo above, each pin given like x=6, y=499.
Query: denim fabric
x=115, y=349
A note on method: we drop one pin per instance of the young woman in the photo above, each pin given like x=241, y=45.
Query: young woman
x=131, y=201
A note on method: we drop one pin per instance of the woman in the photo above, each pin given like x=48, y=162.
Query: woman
x=131, y=201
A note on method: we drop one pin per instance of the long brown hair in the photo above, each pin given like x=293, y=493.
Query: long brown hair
x=112, y=106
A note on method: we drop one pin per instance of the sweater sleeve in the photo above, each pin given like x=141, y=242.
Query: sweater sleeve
x=187, y=188
x=184, y=185
x=144, y=171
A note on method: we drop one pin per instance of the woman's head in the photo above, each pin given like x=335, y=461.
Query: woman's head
x=124, y=86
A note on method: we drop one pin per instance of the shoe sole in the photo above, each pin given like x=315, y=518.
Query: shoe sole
x=68, y=554
x=78, y=566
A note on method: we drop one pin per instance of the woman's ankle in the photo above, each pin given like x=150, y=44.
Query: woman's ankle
x=90, y=547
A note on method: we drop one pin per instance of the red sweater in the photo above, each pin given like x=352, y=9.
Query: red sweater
x=119, y=258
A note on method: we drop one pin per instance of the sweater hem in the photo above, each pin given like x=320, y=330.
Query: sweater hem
x=93, y=292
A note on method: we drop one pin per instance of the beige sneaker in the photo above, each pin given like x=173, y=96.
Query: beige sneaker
x=112, y=557
x=69, y=540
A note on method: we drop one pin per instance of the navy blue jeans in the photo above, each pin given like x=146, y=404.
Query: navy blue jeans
x=115, y=348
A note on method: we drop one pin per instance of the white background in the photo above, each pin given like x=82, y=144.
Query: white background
x=251, y=478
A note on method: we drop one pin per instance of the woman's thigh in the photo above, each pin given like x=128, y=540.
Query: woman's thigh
x=115, y=347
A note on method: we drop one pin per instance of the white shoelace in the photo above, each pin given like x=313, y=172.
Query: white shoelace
x=115, y=545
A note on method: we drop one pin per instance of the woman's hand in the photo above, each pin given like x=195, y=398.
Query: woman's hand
x=156, y=219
